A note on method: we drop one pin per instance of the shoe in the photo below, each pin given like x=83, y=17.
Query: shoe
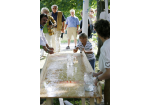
x=67, y=47
x=75, y=47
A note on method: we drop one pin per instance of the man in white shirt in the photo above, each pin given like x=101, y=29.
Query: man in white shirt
x=102, y=28
x=43, y=41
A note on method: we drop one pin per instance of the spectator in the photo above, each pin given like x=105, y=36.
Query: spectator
x=92, y=19
x=102, y=16
x=73, y=24
x=86, y=46
x=102, y=28
x=47, y=30
x=80, y=31
x=59, y=18
x=43, y=41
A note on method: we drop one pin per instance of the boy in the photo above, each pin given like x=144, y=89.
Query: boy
x=86, y=46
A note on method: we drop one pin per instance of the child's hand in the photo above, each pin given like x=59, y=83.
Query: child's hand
x=83, y=49
x=74, y=50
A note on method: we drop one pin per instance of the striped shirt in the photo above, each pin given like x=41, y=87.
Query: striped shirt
x=87, y=47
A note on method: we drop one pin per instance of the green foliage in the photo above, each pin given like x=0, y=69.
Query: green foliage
x=66, y=5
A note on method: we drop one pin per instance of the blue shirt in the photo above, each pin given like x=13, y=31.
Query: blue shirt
x=72, y=21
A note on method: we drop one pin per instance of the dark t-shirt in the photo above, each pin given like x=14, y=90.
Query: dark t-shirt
x=89, y=31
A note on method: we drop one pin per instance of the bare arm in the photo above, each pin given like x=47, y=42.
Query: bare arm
x=65, y=26
x=51, y=48
x=46, y=49
x=77, y=27
x=88, y=52
x=96, y=74
x=75, y=50
x=105, y=75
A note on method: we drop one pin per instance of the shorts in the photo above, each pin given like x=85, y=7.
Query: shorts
x=72, y=31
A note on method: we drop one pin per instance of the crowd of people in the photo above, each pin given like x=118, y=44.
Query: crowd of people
x=52, y=24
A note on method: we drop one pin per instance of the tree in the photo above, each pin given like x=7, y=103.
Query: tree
x=65, y=6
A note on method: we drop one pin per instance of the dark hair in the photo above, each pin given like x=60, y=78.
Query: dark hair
x=43, y=15
x=102, y=27
x=82, y=35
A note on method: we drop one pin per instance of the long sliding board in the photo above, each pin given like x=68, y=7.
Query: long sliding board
x=59, y=80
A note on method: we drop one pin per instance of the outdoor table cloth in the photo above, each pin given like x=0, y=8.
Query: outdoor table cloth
x=61, y=80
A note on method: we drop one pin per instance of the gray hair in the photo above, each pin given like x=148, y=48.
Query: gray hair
x=82, y=35
x=54, y=6
x=72, y=10
x=44, y=8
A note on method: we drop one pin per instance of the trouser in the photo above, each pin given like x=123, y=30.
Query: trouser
x=107, y=92
x=49, y=39
x=92, y=62
x=56, y=40
x=100, y=43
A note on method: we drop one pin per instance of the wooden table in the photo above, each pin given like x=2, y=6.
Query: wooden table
x=60, y=80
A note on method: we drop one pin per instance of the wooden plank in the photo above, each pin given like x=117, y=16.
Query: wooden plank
x=99, y=89
x=87, y=64
x=61, y=101
x=83, y=101
x=59, y=80
x=49, y=101
x=44, y=70
x=92, y=101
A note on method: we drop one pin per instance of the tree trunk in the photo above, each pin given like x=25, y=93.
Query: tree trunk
x=100, y=8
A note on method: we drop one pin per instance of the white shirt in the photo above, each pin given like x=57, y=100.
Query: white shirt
x=104, y=59
x=43, y=40
x=103, y=16
x=87, y=47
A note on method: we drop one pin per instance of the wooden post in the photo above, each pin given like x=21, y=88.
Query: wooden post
x=92, y=101
x=49, y=101
x=83, y=101
x=99, y=89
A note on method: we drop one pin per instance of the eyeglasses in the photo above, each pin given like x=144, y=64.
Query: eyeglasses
x=91, y=11
x=54, y=8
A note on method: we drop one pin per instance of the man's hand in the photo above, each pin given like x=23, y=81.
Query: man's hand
x=50, y=48
x=78, y=31
x=62, y=30
x=50, y=52
x=95, y=82
x=95, y=74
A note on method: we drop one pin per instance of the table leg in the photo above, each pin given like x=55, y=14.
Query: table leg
x=92, y=101
x=83, y=101
x=49, y=101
